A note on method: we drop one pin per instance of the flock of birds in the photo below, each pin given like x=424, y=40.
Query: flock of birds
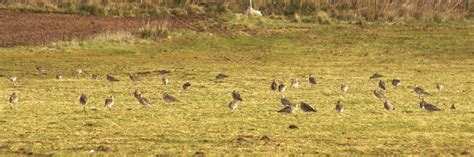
x=288, y=106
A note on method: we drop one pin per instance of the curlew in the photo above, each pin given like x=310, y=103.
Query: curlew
x=13, y=99
x=312, y=80
x=294, y=83
x=339, y=107
x=109, y=102
x=236, y=96
x=344, y=88
x=306, y=107
x=396, y=82
x=233, y=105
x=165, y=81
x=111, y=78
x=83, y=100
x=186, y=86
x=388, y=105
x=274, y=85
x=168, y=98
x=382, y=84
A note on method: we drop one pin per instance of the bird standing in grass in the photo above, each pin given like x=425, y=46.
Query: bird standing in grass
x=339, y=107
x=312, y=80
x=382, y=84
x=59, y=77
x=221, y=76
x=233, y=105
x=274, y=85
x=134, y=77
x=109, y=102
x=41, y=69
x=453, y=106
x=78, y=72
x=168, y=98
x=288, y=109
x=379, y=94
x=439, y=87
x=13, y=99
x=186, y=86
x=95, y=76
x=83, y=100
x=344, y=88
x=111, y=78
x=165, y=81
x=143, y=101
x=285, y=101
x=420, y=91
x=306, y=107
x=13, y=79
x=375, y=76
x=388, y=105
x=294, y=83
x=427, y=106
x=281, y=87
x=396, y=82
x=137, y=94
x=236, y=96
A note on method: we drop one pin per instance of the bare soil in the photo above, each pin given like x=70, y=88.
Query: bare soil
x=21, y=28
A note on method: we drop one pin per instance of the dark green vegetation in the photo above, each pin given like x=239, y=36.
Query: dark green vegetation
x=49, y=119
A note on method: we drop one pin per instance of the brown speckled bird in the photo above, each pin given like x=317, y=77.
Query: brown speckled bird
x=344, y=88
x=41, y=69
x=221, y=76
x=109, y=102
x=388, y=105
x=396, y=82
x=427, y=106
x=165, y=81
x=379, y=94
x=233, y=105
x=111, y=78
x=236, y=96
x=294, y=83
x=59, y=77
x=186, y=86
x=134, y=77
x=339, y=107
x=168, y=98
x=83, y=100
x=375, y=76
x=288, y=109
x=137, y=94
x=285, y=101
x=312, y=80
x=305, y=107
x=274, y=85
x=420, y=91
x=439, y=87
x=382, y=84
x=143, y=101
x=13, y=99
x=281, y=87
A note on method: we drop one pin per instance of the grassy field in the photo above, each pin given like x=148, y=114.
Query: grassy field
x=49, y=119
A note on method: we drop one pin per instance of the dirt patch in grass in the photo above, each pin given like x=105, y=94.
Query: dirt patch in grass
x=18, y=28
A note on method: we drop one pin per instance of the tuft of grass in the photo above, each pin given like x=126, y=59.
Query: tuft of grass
x=195, y=10
x=150, y=32
x=90, y=9
x=179, y=11
x=296, y=18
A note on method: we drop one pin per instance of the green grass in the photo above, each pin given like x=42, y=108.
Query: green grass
x=49, y=120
